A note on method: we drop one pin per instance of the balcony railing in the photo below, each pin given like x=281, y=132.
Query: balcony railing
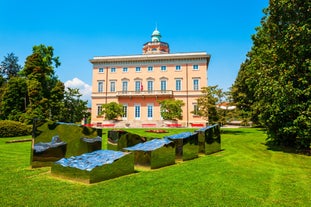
x=154, y=93
x=145, y=93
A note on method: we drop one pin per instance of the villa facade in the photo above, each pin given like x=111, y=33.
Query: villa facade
x=138, y=82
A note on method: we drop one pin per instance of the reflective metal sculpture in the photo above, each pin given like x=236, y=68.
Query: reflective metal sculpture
x=91, y=144
x=186, y=144
x=155, y=153
x=72, y=139
x=119, y=139
x=46, y=153
x=95, y=166
x=74, y=151
x=209, y=139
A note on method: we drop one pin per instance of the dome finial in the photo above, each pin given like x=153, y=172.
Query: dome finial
x=156, y=36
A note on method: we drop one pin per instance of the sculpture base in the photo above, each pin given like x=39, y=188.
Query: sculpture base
x=122, y=165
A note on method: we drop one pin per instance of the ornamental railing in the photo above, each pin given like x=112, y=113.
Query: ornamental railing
x=145, y=93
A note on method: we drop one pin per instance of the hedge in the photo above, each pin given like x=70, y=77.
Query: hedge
x=13, y=129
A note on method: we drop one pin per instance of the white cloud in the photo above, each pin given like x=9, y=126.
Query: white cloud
x=84, y=88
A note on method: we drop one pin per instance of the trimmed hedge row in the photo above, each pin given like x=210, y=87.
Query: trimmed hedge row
x=14, y=129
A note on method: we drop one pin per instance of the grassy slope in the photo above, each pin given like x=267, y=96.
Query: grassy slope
x=245, y=173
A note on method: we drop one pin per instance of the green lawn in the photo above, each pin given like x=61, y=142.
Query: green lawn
x=245, y=173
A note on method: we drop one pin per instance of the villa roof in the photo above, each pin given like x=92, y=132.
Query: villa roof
x=186, y=55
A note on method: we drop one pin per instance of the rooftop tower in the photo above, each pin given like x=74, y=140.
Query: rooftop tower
x=155, y=46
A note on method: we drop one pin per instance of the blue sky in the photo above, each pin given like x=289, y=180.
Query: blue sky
x=79, y=30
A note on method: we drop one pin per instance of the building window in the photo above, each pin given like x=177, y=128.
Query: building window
x=112, y=86
x=112, y=70
x=100, y=87
x=163, y=68
x=150, y=86
x=124, y=86
x=150, y=68
x=125, y=69
x=195, y=84
x=124, y=116
x=149, y=111
x=195, y=109
x=178, y=84
x=137, y=69
x=163, y=85
x=138, y=86
x=99, y=110
x=178, y=67
x=195, y=67
x=137, y=111
x=100, y=70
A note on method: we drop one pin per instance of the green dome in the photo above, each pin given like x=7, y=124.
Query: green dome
x=156, y=33
x=156, y=36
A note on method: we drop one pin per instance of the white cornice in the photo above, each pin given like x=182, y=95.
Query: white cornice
x=148, y=57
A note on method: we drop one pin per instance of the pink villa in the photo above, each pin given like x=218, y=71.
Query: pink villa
x=138, y=82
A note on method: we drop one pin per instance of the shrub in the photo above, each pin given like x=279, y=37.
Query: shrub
x=112, y=110
x=13, y=129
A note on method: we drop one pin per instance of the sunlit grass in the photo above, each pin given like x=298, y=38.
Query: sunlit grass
x=244, y=173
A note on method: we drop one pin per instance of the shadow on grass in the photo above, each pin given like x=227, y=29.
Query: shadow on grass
x=292, y=150
x=240, y=131
x=273, y=147
x=233, y=132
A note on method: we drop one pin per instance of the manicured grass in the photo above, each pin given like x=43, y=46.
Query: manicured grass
x=245, y=173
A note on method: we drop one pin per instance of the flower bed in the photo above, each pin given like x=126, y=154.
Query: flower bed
x=157, y=131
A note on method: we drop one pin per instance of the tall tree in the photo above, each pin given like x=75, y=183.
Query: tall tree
x=279, y=65
x=73, y=108
x=207, y=104
x=9, y=67
x=42, y=83
x=14, y=99
x=57, y=99
x=2, y=88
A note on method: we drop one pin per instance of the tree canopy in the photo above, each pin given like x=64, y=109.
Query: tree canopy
x=208, y=105
x=9, y=67
x=73, y=109
x=35, y=91
x=274, y=82
x=14, y=99
x=41, y=83
x=171, y=109
x=112, y=110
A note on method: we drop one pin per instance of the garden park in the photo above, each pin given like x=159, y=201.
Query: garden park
x=246, y=172
x=264, y=166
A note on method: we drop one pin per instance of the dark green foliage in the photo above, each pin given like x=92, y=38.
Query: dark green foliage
x=14, y=99
x=171, y=109
x=45, y=91
x=2, y=80
x=40, y=64
x=274, y=83
x=9, y=67
x=35, y=91
x=72, y=108
x=2, y=88
x=56, y=100
x=112, y=110
x=14, y=129
x=212, y=95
